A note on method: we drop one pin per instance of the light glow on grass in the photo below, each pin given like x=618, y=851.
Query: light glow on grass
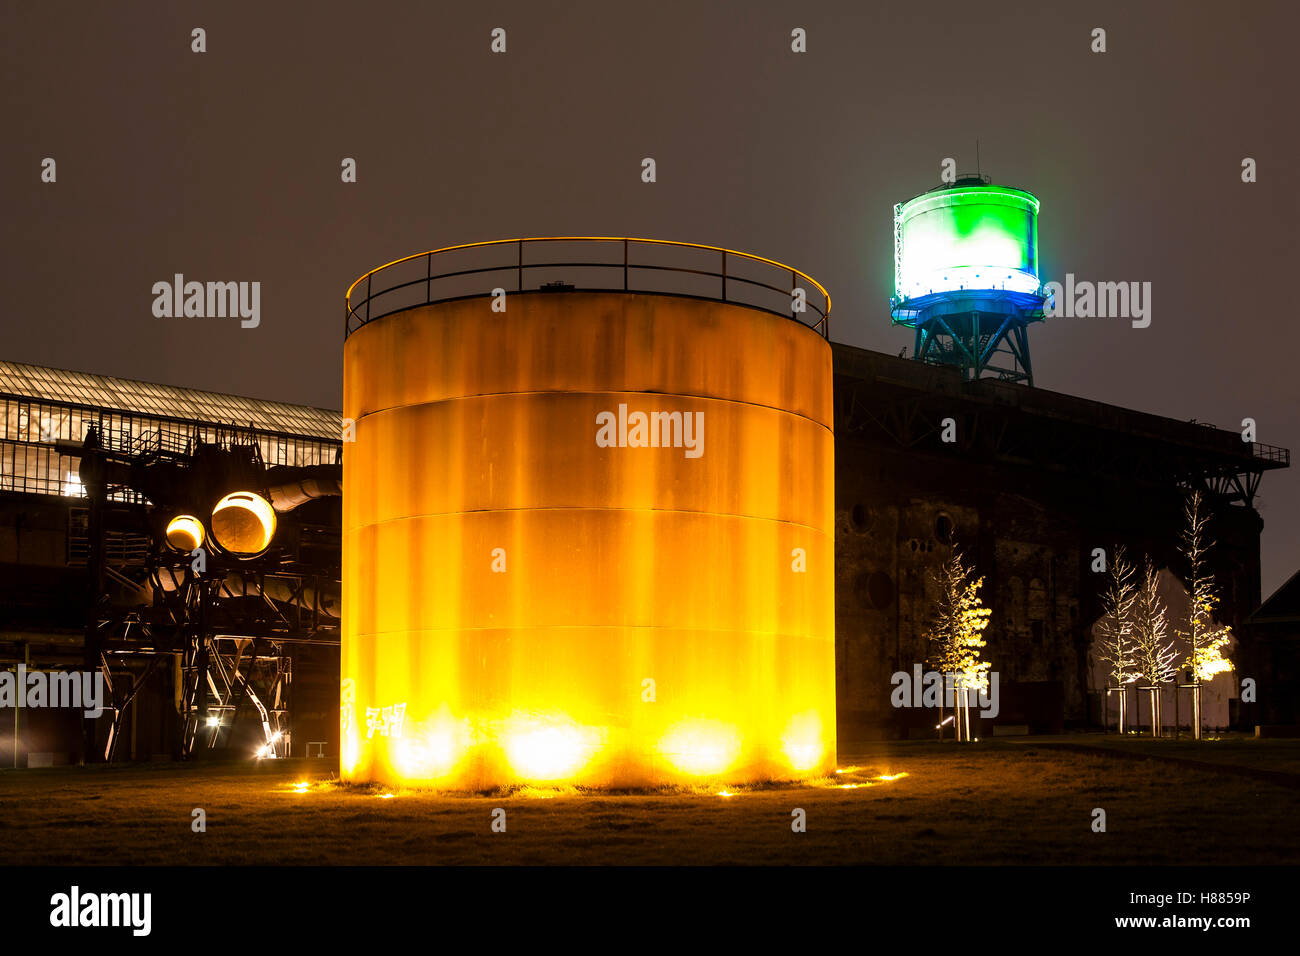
x=701, y=747
x=802, y=742
x=545, y=792
x=351, y=754
x=549, y=748
x=890, y=777
x=435, y=749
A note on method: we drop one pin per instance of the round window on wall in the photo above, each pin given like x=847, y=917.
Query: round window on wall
x=858, y=516
x=880, y=590
x=943, y=529
x=875, y=589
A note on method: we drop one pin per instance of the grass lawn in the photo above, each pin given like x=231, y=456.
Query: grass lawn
x=1279, y=755
x=994, y=802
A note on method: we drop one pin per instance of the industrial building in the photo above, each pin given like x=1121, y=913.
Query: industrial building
x=241, y=655
x=1033, y=483
x=88, y=583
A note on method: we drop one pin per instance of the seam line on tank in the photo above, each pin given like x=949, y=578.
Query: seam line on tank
x=587, y=627
x=702, y=398
x=676, y=511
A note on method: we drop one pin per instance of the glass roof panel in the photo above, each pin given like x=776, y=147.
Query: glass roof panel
x=127, y=395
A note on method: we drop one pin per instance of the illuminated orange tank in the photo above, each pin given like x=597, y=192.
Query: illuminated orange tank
x=587, y=539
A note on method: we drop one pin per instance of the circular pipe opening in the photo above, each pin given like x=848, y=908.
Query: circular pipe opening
x=243, y=523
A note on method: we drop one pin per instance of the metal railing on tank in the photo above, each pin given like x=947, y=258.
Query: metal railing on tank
x=714, y=273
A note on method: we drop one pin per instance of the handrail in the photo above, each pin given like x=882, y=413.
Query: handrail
x=1271, y=453
x=355, y=317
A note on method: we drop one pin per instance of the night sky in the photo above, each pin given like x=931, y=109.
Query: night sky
x=225, y=166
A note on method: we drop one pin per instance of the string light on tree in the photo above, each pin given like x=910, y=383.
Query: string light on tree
x=1115, y=631
x=959, y=623
x=1207, y=639
x=1154, y=652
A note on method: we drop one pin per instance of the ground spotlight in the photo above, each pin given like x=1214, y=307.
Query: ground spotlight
x=243, y=523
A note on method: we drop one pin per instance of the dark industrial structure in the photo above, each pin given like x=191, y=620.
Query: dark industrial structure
x=240, y=655
x=197, y=651
x=1031, y=482
x=1274, y=632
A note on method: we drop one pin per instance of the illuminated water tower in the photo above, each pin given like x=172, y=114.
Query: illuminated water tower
x=966, y=277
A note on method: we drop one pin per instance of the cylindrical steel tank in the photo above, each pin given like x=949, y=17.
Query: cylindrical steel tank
x=542, y=586
x=967, y=237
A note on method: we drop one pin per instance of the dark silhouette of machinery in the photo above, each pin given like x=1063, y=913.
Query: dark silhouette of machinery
x=243, y=564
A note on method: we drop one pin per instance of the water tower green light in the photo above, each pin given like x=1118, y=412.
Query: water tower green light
x=966, y=277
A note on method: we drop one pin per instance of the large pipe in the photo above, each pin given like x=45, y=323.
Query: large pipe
x=291, y=487
x=277, y=589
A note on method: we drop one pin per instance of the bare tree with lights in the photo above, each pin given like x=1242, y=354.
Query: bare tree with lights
x=1115, y=630
x=959, y=621
x=1206, y=639
x=1153, y=650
